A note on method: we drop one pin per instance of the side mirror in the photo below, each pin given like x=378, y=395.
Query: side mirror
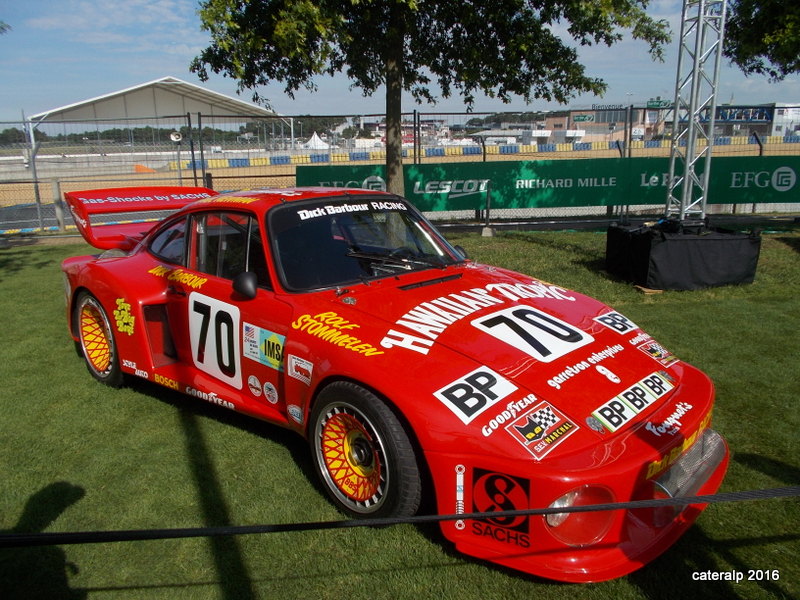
x=246, y=284
x=462, y=252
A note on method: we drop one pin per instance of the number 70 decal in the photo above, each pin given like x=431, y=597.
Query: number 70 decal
x=214, y=335
x=534, y=332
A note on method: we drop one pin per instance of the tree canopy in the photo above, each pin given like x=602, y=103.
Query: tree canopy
x=762, y=37
x=429, y=48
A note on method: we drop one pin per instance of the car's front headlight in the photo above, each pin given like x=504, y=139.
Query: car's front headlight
x=581, y=528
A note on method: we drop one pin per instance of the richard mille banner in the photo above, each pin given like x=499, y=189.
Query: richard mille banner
x=567, y=183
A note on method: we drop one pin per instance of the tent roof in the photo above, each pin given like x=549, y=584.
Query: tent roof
x=165, y=97
x=316, y=143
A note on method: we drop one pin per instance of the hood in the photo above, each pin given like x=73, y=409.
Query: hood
x=521, y=344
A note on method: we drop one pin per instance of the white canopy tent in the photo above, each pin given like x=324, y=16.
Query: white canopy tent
x=316, y=143
x=165, y=97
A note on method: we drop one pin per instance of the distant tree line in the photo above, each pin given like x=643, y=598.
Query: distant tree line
x=260, y=129
x=495, y=119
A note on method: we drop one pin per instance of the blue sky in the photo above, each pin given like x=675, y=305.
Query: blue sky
x=64, y=51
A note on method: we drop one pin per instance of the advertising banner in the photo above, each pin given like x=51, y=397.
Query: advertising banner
x=568, y=183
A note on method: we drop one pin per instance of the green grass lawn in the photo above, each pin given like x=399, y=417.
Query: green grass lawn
x=77, y=456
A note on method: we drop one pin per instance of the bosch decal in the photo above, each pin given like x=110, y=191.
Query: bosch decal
x=166, y=381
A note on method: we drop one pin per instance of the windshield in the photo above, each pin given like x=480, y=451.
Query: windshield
x=337, y=241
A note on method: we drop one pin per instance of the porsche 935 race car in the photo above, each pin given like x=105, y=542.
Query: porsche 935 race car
x=343, y=315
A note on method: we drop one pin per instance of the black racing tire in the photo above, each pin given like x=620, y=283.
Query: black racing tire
x=96, y=340
x=362, y=453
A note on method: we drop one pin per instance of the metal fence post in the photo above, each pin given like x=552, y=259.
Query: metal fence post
x=487, y=229
x=58, y=204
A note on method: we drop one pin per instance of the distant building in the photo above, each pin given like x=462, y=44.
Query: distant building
x=786, y=120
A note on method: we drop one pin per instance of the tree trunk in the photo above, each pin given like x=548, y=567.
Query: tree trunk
x=394, y=111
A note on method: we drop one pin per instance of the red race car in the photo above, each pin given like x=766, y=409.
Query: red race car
x=344, y=316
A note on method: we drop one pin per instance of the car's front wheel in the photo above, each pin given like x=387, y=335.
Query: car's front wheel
x=362, y=453
x=97, y=340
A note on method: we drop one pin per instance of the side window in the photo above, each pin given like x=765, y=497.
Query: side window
x=227, y=244
x=170, y=243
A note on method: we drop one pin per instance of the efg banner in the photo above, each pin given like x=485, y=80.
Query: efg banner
x=567, y=183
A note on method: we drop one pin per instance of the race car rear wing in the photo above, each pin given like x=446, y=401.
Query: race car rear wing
x=91, y=210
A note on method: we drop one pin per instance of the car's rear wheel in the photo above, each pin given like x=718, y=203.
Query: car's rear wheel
x=362, y=453
x=96, y=340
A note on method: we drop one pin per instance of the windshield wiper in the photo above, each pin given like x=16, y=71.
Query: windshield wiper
x=401, y=260
x=381, y=258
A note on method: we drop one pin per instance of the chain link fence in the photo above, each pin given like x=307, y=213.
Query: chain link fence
x=41, y=161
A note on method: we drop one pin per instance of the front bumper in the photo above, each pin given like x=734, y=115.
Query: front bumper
x=630, y=538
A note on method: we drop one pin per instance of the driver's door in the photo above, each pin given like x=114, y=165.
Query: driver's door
x=232, y=344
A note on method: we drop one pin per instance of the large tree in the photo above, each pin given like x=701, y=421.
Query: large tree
x=501, y=48
x=763, y=37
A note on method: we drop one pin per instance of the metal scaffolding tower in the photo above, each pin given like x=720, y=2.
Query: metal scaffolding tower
x=694, y=110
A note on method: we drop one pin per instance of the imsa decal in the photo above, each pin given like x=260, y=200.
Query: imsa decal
x=263, y=345
x=625, y=406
